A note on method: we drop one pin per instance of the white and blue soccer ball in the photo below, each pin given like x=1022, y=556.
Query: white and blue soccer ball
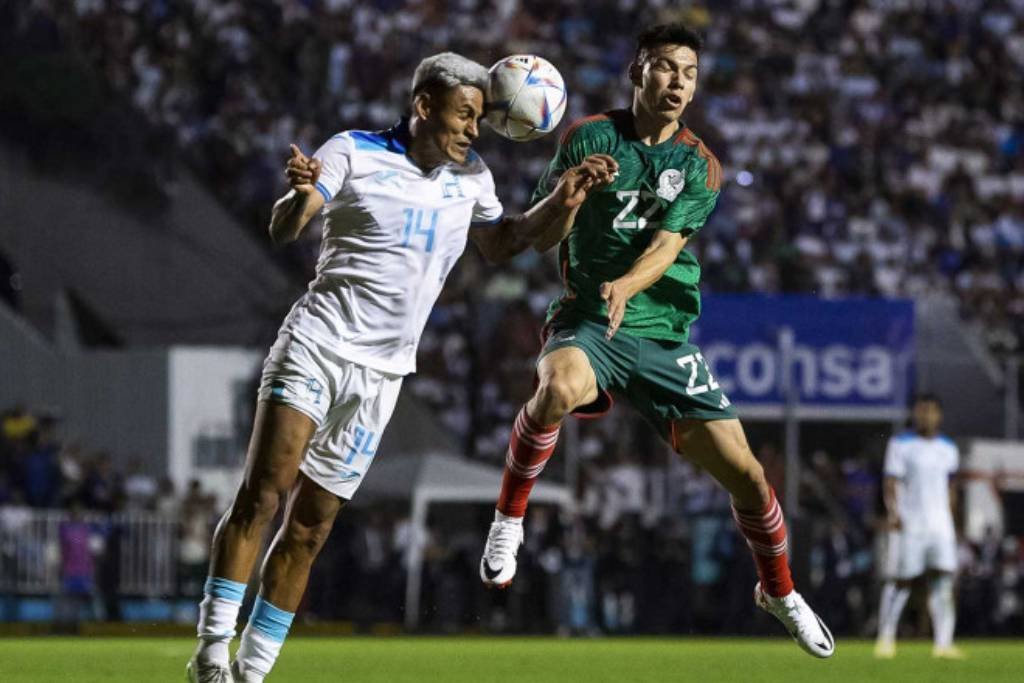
x=526, y=99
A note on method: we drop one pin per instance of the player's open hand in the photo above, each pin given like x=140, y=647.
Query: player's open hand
x=596, y=171
x=302, y=171
x=615, y=294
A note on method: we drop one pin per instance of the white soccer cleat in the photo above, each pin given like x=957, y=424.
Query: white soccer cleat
x=806, y=627
x=239, y=676
x=498, y=565
x=207, y=673
x=885, y=649
x=948, y=652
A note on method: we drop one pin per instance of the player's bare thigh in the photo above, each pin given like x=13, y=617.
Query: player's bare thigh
x=566, y=381
x=721, y=448
x=280, y=436
x=279, y=440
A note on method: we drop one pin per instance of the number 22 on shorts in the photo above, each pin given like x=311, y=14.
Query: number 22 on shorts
x=692, y=362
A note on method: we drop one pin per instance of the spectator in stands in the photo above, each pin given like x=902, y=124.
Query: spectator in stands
x=71, y=471
x=166, y=500
x=79, y=544
x=101, y=485
x=108, y=562
x=139, y=487
x=17, y=424
x=197, y=515
x=41, y=468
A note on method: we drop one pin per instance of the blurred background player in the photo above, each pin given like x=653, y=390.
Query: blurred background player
x=622, y=324
x=398, y=205
x=919, y=500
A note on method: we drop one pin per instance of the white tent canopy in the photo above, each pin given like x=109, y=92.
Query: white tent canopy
x=434, y=477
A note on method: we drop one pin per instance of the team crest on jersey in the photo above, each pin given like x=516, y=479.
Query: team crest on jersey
x=670, y=184
x=452, y=188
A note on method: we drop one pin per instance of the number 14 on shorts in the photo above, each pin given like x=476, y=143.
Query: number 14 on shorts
x=692, y=362
x=362, y=444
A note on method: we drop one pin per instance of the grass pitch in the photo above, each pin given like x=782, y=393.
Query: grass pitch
x=522, y=660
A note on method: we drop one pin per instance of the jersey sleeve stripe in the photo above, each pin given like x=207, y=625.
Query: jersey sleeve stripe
x=686, y=137
x=323, y=190
x=576, y=125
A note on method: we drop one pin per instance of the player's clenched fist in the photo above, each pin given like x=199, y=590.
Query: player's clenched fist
x=597, y=170
x=302, y=171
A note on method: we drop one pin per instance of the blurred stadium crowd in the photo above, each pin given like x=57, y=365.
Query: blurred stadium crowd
x=647, y=527
x=881, y=152
x=872, y=147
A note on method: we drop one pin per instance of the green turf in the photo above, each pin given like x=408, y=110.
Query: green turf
x=524, y=660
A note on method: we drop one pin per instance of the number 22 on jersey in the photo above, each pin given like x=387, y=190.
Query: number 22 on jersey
x=623, y=220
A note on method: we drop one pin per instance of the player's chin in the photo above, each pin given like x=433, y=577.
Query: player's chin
x=670, y=113
x=458, y=153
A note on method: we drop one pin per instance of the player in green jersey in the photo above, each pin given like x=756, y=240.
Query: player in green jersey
x=622, y=324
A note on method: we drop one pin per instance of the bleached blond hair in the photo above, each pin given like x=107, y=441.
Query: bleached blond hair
x=448, y=70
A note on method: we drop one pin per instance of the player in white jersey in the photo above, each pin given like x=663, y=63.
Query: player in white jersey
x=398, y=207
x=921, y=538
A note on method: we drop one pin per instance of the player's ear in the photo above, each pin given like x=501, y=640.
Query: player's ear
x=422, y=105
x=636, y=73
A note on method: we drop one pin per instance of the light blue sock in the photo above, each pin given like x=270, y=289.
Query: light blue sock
x=262, y=639
x=218, y=614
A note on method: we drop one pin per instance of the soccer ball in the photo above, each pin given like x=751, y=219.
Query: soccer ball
x=526, y=98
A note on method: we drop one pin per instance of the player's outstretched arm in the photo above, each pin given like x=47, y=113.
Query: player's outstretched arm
x=645, y=271
x=501, y=242
x=294, y=210
x=548, y=221
x=551, y=219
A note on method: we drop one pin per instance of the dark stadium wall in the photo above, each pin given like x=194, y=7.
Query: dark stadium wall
x=954, y=364
x=114, y=401
x=189, y=273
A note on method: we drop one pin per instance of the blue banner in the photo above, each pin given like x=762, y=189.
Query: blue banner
x=848, y=352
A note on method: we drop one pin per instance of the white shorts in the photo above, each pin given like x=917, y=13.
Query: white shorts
x=351, y=405
x=921, y=551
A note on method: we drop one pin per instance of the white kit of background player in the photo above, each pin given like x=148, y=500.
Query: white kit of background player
x=919, y=498
x=398, y=207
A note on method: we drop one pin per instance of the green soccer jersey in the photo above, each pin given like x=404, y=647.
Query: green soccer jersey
x=670, y=186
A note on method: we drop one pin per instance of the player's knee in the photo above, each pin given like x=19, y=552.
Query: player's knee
x=305, y=542
x=256, y=506
x=557, y=395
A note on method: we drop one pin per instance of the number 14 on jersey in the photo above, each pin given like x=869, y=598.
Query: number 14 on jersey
x=414, y=228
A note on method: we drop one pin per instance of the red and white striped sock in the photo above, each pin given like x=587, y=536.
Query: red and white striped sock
x=529, y=448
x=766, y=535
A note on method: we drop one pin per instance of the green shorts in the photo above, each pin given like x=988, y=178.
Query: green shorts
x=664, y=380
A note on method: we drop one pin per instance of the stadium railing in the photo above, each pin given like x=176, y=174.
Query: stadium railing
x=145, y=543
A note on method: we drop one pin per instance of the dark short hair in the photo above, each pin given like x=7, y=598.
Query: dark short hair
x=666, y=34
x=927, y=397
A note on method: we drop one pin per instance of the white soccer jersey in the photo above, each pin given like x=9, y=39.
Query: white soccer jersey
x=923, y=467
x=391, y=235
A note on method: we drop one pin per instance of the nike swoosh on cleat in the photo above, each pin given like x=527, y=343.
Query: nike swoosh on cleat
x=490, y=573
x=824, y=629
